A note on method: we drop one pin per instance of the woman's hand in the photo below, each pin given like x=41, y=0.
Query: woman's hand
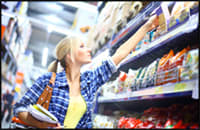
x=131, y=43
x=151, y=23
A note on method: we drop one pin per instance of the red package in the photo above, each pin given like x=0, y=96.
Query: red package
x=147, y=125
x=158, y=125
x=163, y=65
x=176, y=61
x=178, y=125
x=184, y=126
x=168, y=122
x=122, y=76
x=195, y=126
x=122, y=121
x=131, y=123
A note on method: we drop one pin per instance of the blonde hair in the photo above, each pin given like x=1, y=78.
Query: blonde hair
x=67, y=45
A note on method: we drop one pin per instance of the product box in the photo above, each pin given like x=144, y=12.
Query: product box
x=179, y=15
x=164, y=15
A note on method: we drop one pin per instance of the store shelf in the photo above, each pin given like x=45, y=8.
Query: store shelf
x=184, y=88
x=185, y=92
x=6, y=80
x=164, y=40
x=10, y=53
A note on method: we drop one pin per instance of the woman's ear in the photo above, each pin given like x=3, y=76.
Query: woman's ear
x=69, y=58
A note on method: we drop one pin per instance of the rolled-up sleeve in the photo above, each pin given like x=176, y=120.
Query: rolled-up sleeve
x=102, y=73
x=32, y=95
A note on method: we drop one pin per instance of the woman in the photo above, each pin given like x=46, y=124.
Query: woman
x=74, y=92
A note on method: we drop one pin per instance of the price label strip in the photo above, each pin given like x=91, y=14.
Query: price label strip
x=180, y=87
x=158, y=90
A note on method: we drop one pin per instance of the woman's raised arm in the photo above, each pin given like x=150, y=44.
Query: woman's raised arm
x=131, y=43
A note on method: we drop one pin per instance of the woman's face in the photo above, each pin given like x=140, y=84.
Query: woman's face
x=83, y=54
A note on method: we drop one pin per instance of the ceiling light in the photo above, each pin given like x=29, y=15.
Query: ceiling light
x=49, y=29
x=54, y=6
x=44, y=56
x=81, y=5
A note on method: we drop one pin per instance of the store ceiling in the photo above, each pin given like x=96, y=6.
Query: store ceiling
x=48, y=13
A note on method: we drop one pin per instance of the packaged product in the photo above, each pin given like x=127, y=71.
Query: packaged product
x=122, y=121
x=138, y=72
x=102, y=121
x=178, y=6
x=190, y=66
x=180, y=14
x=122, y=76
x=153, y=73
x=191, y=4
x=139, y=78
x=192, y=57
x=149, y=77
x=134, y=9
x=121, y=82
x=163, y=66
x=174, y=63
x=144, y=83
x=142, y=77
x=164, y=61
x=124, y=8
x=163, y=15
x=130, y=80
x=178, y=58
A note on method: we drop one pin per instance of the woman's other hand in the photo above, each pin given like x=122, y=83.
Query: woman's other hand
x=49, y=125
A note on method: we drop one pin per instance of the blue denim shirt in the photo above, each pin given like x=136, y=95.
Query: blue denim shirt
x=90, y=81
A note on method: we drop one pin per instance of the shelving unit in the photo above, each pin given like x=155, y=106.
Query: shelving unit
x=166, y=39
x=175, y=39
x=14, y=41
x=183, y=35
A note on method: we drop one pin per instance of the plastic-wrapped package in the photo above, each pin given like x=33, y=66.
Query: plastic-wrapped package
x=141, y=78
x=102, y=121
x=130, y=80
x=163, y=66
x=144, y=82
x=150, y=76
x=137, y=80
x=134, y=83
x=190, y=70
x=174, y=65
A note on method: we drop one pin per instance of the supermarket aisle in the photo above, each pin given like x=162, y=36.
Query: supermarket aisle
x=155, y=86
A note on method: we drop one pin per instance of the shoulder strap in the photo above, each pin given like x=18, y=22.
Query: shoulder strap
x=45, y=97
x=53, y=77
